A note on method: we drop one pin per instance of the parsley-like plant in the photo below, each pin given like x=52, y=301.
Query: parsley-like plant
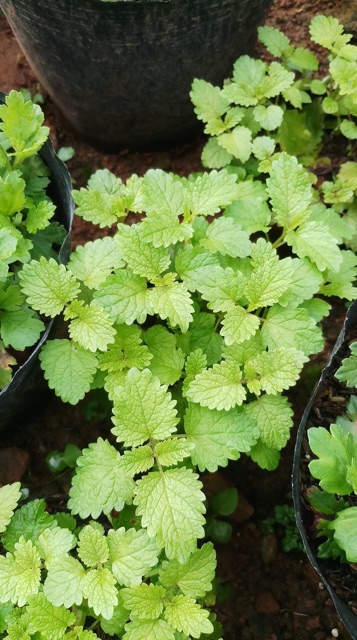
x=25, y=228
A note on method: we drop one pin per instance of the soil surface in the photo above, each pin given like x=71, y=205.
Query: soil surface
x=272, y=595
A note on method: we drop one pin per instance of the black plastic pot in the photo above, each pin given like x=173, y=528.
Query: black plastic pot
x=121, y=72
x=20, y=394
x=348, y=618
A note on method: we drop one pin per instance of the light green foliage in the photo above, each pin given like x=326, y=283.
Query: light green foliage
x=185, y=615
x=48, y=286
x=168, y=360
x=336, y=452
x=347, y=372
x=9, y=498
x=25, y=228
x=195, y=576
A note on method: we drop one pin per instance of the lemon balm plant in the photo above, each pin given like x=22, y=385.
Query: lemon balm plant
x=26, y=227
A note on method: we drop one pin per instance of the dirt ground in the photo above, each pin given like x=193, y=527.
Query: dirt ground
x=273, y=595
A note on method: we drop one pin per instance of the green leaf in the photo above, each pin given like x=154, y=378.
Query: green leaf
x=313, y=240
x=137, y=460
x=263, y=147
x=210, y=192
x=326, y=30
x=144, y=601
x=242, y=352
x=141, y=257
x=47, y=619
x=225, y=236
x=270, y=277
x=335, y=451
x=195, y=363
x=213, y=156
x=217, y=436
x=237, y=142
x=194, y=264
x=47, y=286
x=277, y=43
x=92, y=547
x=208, y=101
x=277, y=370
x=132, y=554
x=38, y=217
x=10, y=495
x=342, y=283
x=12, y=193
x=344, y=527
x=20, y=329
x=348, y=129
x=252, y=214
x=219, y=387
x=270, y=117
x=28, y=522
x=126, y=352
x=221, y=288
x=93, y=263
x=68, y=368
x=100, y=591
x=193, y=577
x=21, y=124
x=102, y=202
x=276, y=81
x=305, y=282
x=303, y=59
x=123, y=297
x=54, y=543
x=20, y=573
x=290, y=192
x=63, y=584
x=239, y=325
x=347, y=372
x=291, y=328
x=171, y=506
x=264, y=456
x=100, y=483
x=273, y=417
x=91, y=327
x=115, y=626
x=144, y=629
x=171, y=300
x=203, y=336
x=170, y=452
x=168, y=361
x=143, y=410
x=185, y=615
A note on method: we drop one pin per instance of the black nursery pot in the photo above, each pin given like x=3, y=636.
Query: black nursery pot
x=22, y=393
x=121, y=72
x=348, y=618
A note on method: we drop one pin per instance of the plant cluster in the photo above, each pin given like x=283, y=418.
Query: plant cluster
x=284, y=519
x=195, y=320
x=25, y=228
x=336, y=469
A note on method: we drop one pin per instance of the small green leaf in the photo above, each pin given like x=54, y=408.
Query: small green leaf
x=193, y=577
x=68, y=368
x=185, y=615
x=10, y=495
x=219, y=387
x=144, y=601
x=47, y=286
x=132, y=554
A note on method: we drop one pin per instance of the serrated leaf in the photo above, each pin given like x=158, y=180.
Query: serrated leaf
x=10, y=495
x=313, y=240
x=273, y=417
x=184, y=614
x=208, y=101
x=193, y=264
x=12, y=188
x=266, y=457
x=270, y=276
x=195, y=576
x=132, y=554
x=170, y=452
x=316, y=308
x=270, y=117
x=305, y=282
x=141, y=257
x=126, y=352
x=277, y=43
x=115, y=626
x=39, y=215
x=347, y=372
x=47, y=618
x=20, y=329
x=102, y=202
x=341, y=283
x=344, y=527
x=92, y=547
x=143, y=410
x=100, y=483
x=326, y=30
x=144, y=629
x=123, y=297
x=290, y=192
x=263, y=147
x=237, y=142
x=221, y=288
x=219, y=387
x=20, y=573
x=93, y=263
x=168, y=361
x=171, y=506
x=47, y=286
x=218, y=436
x=91, y=327
x=242, y=352
x=276, y=81
x=63, y=584
x=53, y=543
x=226, y=237
x=252, y=214
x=21, y=122
x=239, y=325
x=171, y=300
x=335, y=450
x=68, y=368
x=100, y=591
x=144, y=601
x=28, y=522
x=277, y=369
x=137, y=460
x=203, y=336
x=303, y=59
x=210, y=192
x=291, y=328
x=213, y=156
